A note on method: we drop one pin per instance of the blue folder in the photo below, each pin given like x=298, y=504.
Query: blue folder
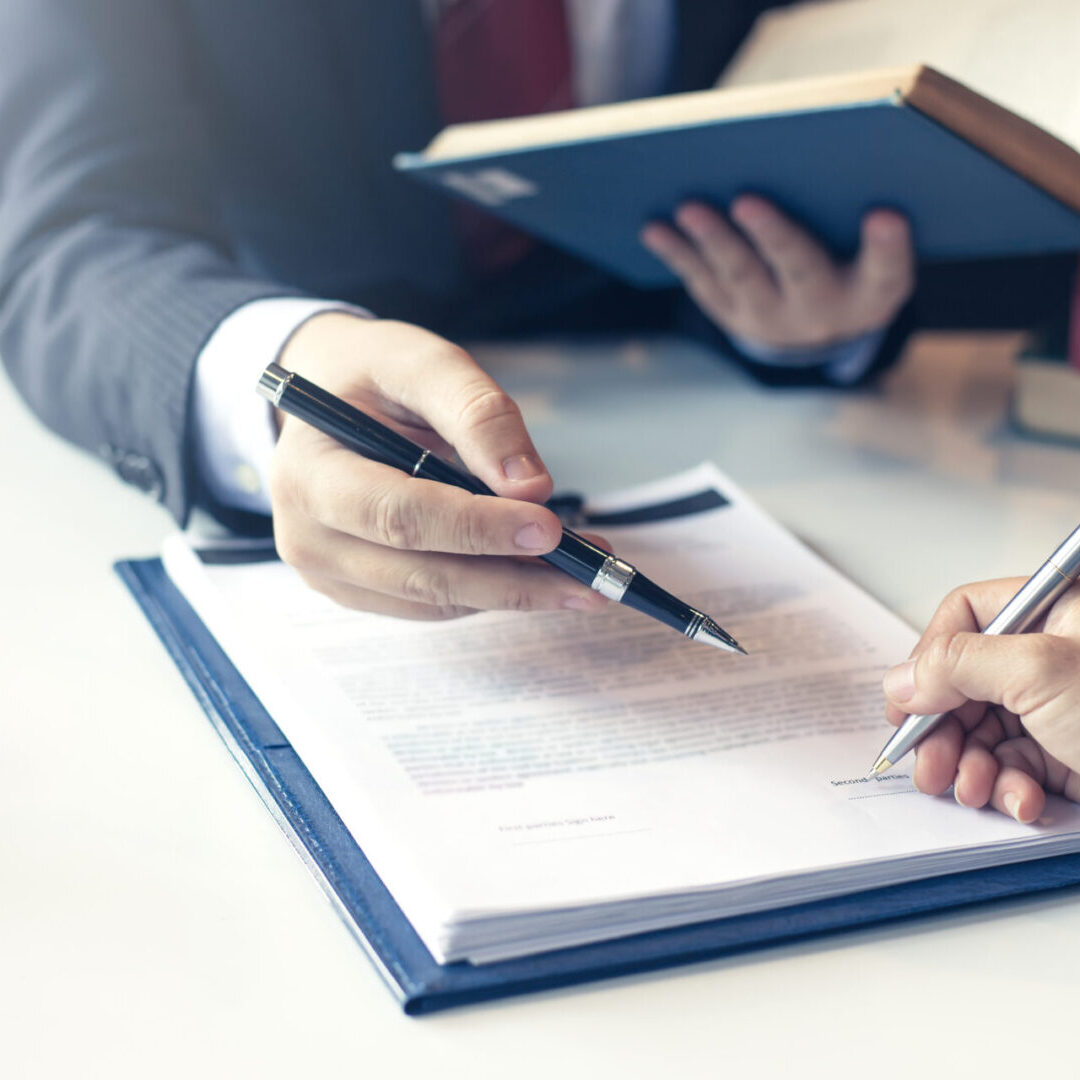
x=419, y=983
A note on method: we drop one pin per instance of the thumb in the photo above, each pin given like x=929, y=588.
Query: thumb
x=883, y=274
x=443, y=383
x=1024, y=673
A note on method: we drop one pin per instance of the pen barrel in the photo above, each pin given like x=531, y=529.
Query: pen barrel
x=432, y=468
x=648, y=598
x=585, y=561
x=1032, y=601
x=578, y=557
x=581, y=559
x=1067, y=556
x=351, y=427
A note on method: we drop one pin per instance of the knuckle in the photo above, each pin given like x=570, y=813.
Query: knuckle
x=487, y=404
x=517, y=598
x=950, y=650
x=941, y=656
x=427, y=584
x=956, y=606
x=394, y=525
x=473, y=533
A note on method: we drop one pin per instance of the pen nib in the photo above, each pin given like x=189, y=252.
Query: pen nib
x=880, y=766
x=711, y=633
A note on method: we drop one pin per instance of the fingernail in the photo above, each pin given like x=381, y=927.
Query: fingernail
x=956, y=796
x=1012, y=804
x=521, y=467
x=885, y=230
x=899, y=682
x=532, y=537
x=748, y=210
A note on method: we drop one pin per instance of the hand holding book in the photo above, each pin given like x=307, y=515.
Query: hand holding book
x=1014, y=734
x=761, y=277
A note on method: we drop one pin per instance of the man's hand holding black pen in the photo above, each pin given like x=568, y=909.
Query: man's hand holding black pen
x=382, y=445
x=376, y=539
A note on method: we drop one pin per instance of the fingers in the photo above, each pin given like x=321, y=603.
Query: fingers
x=764, y=278
x=975, y=775
x=796, y=259
x=938, y=757
x=688, y=264
x=732, y=260
x=1020, y=786
x=374, y=502
x=988, y=778
x=883, y=274
x=1012, y=755
x=375, y=538
x=968, y=608
x=1007, y=775
x=361, y=599
x=740, y=274
x=444, y=385
x=417, y=584
x=1027, y=673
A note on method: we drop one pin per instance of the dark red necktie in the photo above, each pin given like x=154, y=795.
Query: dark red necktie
x=494, y=59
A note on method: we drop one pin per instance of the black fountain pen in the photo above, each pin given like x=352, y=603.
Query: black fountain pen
x=583, y=561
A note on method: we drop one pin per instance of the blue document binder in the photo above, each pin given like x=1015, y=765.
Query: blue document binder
x=368, y=909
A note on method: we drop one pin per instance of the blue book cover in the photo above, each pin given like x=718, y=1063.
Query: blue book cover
x=974, y=179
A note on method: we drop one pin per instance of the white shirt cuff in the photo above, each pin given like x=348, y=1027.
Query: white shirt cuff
x=234, y=430
x=843, y=363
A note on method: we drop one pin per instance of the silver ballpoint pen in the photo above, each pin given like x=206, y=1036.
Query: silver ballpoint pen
x=1035, y=598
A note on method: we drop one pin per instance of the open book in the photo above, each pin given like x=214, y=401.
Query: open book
x=1020, y=53
x=524, y=783
x=974, y=178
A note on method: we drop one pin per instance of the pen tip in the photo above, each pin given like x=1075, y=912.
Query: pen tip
x=711, y=633
x=880, y=766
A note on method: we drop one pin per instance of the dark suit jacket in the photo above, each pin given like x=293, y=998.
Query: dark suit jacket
x=164, y=161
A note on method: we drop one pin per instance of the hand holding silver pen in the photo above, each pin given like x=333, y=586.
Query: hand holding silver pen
x=998, y=711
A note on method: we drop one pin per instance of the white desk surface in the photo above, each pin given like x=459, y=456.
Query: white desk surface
x=155, y=923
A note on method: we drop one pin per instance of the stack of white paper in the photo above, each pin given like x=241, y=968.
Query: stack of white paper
x=526, y=782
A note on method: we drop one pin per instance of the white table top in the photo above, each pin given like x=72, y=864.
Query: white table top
x=155, y=923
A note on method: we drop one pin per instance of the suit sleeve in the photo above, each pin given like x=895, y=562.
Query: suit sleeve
x=113, y=271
